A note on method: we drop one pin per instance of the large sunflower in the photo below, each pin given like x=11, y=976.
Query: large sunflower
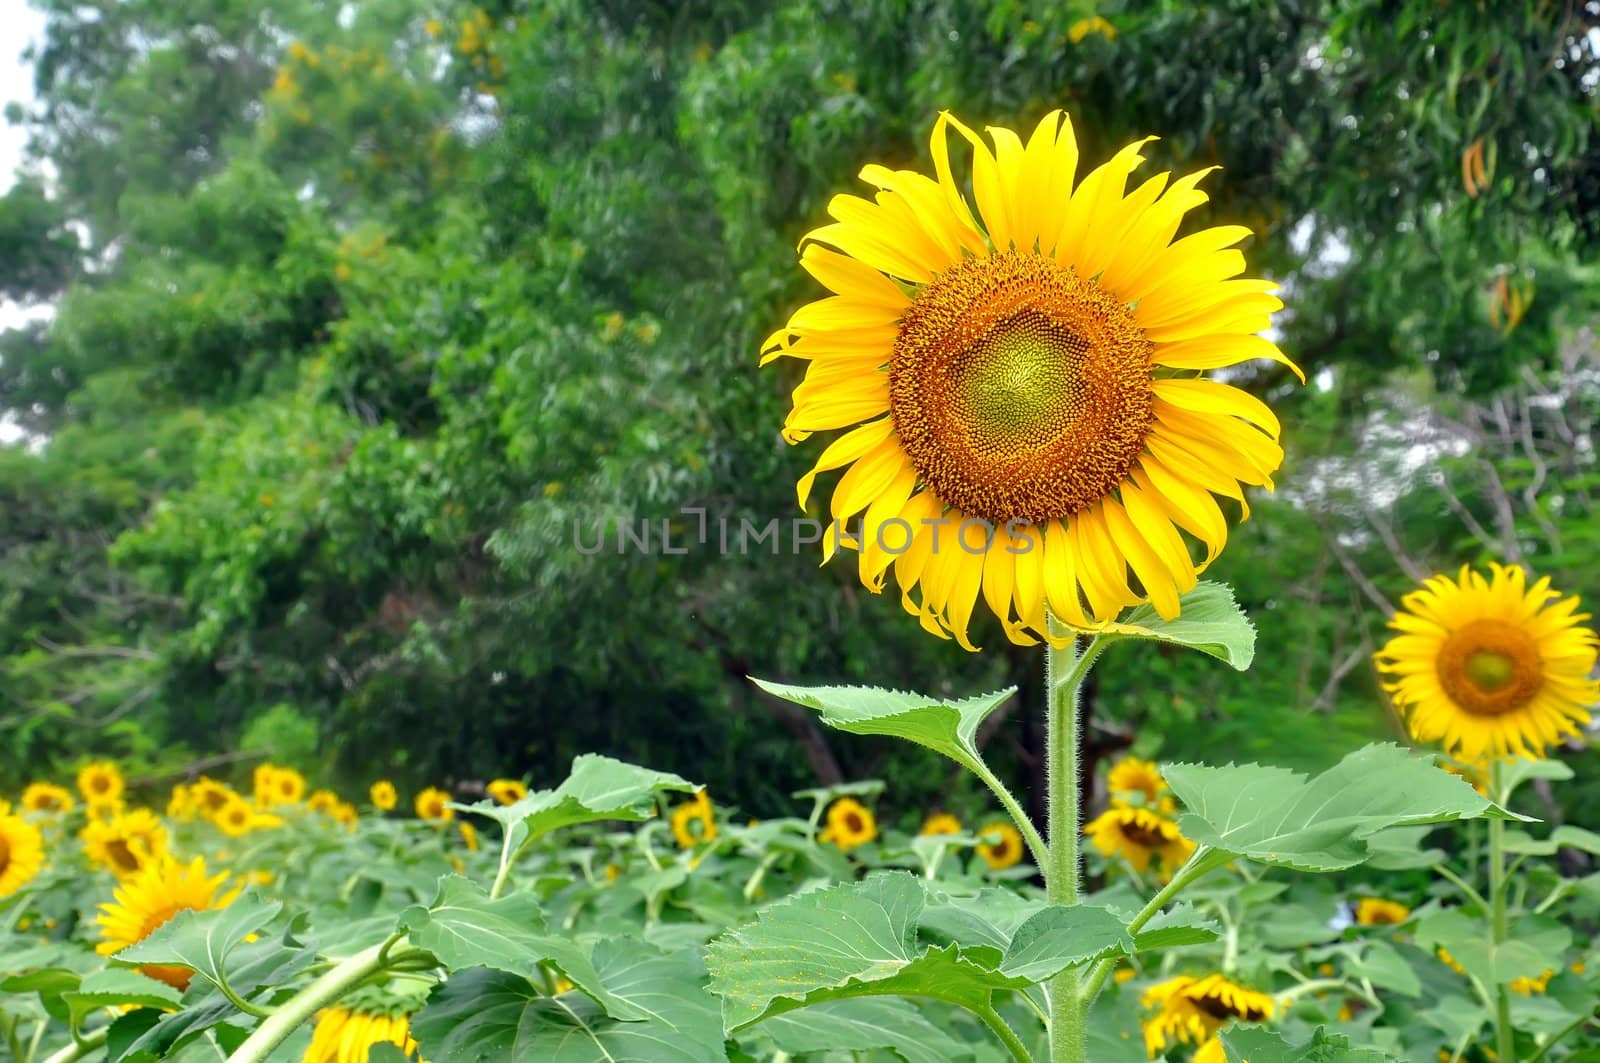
x=21, y=852
x=1029, y=419
x=1490, y=667
x=1191, y=1010
x=347, y=1035
x=148, y=899
x=1139, y=835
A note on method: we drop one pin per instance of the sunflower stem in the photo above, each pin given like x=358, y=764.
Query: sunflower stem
x=1065, y=668
x=80, y=1046
x=1504, y=1037
x=326, y=990
x=1007, y=1035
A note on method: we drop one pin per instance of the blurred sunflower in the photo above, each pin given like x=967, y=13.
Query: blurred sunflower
x=1001, y=846
x=1374, y=911
x=430, y=804
x=1529, y=986
x=1130, y=776
x=47, y=797
x=507, y=791
x=1491, y=668
x=237, y=817
x=469, y=835
x=383, y=795
x=694, y=822
x=148, y=899
x=346, y=815
x=126, y=843
x=850, y=823
x=21, y=852
x=345, y=1035
x=1191, y=1010
x=1138, y=835
x=181, y=803
x=100, y=781
x=209, y=795
x=103, y=811
x=323, y=802
x=1028, y=420
x=288, y=787
x=940, y=823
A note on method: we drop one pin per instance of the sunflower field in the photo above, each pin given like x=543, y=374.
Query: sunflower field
x=815, y=531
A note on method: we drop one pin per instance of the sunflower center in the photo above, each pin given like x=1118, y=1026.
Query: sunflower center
x=1489, y=667
x=853, y=823
x=5, y=854
x=1145, y=837
x=1019, y=390
x=122, y=854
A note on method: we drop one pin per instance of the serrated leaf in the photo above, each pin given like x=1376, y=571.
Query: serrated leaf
x=487, y=1016
x=1258, y=1044
x=1276, y=816
x=117, y=986
x=991, y=917
x=1178, y=927
x=463, y=928
x=202, y=940
x=1063, y=936
x=862, y=1025
x=124, y=1033
x=946, y=727
x=850, y=940
x=598, y=788
x=1209, y=620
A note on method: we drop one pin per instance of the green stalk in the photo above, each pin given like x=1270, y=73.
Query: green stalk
x=326, y=990
x=80, y=1046
x=1065, y=669
x=1200, y=862
x=1497, y=901
x=1007, y=1035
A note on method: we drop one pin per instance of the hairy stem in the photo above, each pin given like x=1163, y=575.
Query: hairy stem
x=1013, y=1043
x=1497, y=901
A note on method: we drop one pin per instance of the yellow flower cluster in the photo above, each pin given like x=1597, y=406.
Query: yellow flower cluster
x=1138, y=826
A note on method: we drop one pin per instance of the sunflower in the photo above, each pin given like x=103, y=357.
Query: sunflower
x=323, y=801
x=469, y=835
x=1001, y=847
x=21, y=852
x=181, y=802
x=383, y=795
x=1490, y=667
x=850, y=823
x=1191, y=1010
x=263, y=782
x=1029, y=419
x=694, y=822
x=1529, y=986
x=1451, y=962
x=148, y=899
x=209, y=795
x=288, y=786
x=507, y=791
x=1374, y=911
x=346, y=815
x=47, y=797
x=1138, y=835
x=1130, y=776
x=345, y=1036
x=430, y=804
x=237, y=817
x=940, y=823
x=125, y=844
x=103, y=811
x=100, y=780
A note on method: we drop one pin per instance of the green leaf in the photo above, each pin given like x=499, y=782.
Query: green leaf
x=991, y=917
x=850, y=940
x=1063, y=936
x=201, y=940
x=109, y=988
x=490, y=1016
x=1277, y=816
x=50, y=983
x=1400, y=849
x=463, y=928
x=1180, y=926
x=862, y=1025
x=598, y=788
x=946, y=727
x=1382, y=965
x=1534, y=946
x=1209, y=621
x=1258, y=1044
x=1520, y=842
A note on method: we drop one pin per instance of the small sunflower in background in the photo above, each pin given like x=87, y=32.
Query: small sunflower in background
x=1001, y=846
x=103, y=811
x=322, y=802
x=100, y=782
x=1489, y=667
x=1130, y=776
x=237, y=817
x=21, y=852
x=940, y=823
x=430, y=805
x=47, y=798
x=850, y=823
x=1139, y=836
x=209, y=795
x=1530, y=986
x=1191, y=1010
x=1375, y=911
x=347, y=1034
x=469, y=835
x=694, y=822
x=507, y=791
x=149, y=899
x=181, y=803
x=288, y=787
x=346, y=815
x=127, y=843
x=1027, y=426
x=383, y=795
